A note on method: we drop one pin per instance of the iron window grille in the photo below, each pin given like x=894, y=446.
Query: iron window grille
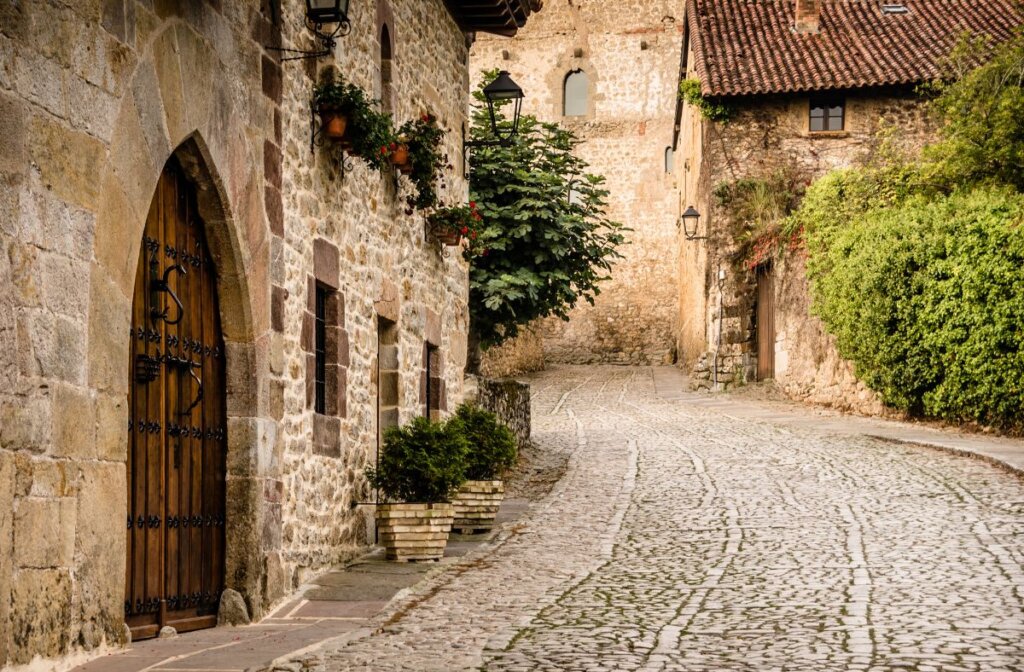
x=320, y=351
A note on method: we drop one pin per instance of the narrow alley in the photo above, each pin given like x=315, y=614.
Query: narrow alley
x=689, y=535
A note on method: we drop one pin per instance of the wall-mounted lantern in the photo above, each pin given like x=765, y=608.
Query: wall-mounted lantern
x=691, y=223
x=500, y=90
x=320, y=13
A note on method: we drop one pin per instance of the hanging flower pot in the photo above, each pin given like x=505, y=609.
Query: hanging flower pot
x=450, y=237
x=450, y=224
x=334, y=124
x=400, y=158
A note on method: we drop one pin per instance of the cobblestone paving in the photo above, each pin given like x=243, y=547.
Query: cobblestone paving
x=684, y=540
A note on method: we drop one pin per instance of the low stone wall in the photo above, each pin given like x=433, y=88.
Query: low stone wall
x=523, y=354
x=510, y=401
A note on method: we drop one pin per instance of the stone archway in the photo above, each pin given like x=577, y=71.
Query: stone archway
x=165, y=112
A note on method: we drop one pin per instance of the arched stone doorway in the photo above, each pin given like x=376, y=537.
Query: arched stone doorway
x=176, y=467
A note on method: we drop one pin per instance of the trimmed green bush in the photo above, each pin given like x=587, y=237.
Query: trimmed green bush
x=422, y=461
x=492, y=446
x=925, y=296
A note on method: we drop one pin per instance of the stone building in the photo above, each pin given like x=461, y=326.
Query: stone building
x=200, y=316
x=811, y=85
x=607, y=70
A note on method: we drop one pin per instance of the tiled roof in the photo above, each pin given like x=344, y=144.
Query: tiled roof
x=502, y=17
x=749, y=46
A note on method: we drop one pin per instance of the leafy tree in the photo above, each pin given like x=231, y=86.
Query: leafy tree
x=981, y=110
x=545, y=241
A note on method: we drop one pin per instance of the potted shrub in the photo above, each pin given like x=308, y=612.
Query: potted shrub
x=421, y=465
x=492, y=451
x=450, y=224
x=423, y=137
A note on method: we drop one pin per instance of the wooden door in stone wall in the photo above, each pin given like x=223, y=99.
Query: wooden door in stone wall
x=765, y=313
x=177, y=437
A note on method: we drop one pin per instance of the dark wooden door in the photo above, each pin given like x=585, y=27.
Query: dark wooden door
x=177, y=438
x=765, y=323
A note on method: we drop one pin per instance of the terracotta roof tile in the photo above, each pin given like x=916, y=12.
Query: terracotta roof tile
x=747, y=47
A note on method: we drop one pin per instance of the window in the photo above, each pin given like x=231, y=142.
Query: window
x=574, y=101
x=320, y=350
x=827, y=114
x=670, y=157
x=386, y=75
x=432, y=381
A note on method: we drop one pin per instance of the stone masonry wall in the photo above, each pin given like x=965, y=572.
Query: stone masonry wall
x=95, y=98
x=768, y=134
x=630, y=53
x=383, y=265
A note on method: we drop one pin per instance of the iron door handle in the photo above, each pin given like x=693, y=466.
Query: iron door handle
x=162, y=285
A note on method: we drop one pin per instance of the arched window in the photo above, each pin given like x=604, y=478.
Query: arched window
x=575, y=94
x=386, y=75
x=670, y=157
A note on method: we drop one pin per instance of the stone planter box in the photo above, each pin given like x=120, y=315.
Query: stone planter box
x=414, y=532
x=476, y=505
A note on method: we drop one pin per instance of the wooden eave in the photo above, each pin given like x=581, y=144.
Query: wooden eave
x=500, y=17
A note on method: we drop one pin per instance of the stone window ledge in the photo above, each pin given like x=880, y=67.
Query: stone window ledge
x=827, y=135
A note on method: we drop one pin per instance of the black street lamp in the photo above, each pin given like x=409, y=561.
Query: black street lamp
x=691, y=222
x=502, y=89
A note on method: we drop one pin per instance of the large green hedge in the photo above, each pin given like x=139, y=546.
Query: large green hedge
x=917, y=267
x=926, y=297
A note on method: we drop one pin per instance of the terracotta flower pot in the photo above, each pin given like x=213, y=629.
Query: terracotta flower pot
x=446, y=236
x=400, y=156
x=334, y=124
x=414, y=532
x=476, y=505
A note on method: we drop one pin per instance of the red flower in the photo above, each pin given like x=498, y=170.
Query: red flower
x=477, y=217
x=472, y=205
x=465, y=230
x=384, y=151
x=473, y=235
x=394, y=146
x=425, y=118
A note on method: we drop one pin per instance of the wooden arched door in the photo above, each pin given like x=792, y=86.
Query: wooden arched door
x=177, y=438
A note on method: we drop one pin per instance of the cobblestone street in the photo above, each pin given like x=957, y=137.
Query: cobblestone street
x=685, y=538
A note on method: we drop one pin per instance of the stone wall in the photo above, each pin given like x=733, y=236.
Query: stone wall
x=387, y=272
x=630, y=53
x=95, y=98
x=510, y=401
x=523, y=354
x=718, y=289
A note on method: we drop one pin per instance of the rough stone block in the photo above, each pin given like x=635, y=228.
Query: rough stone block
x=44, y=532
x=74, y=422
x=111, y=427
x=6, y=550
x=109, y=321
x=14, y=116
x=325, y=262
x=40, y=80
x=40, y=613
x=100, y=544
x=326, y=435
x=232, y=609
x=50, y=223
x=92, y=109
x=25, y=423
x=68, y=161
x=168, y=74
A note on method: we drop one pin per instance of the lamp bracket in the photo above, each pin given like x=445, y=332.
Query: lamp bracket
x=472, y=144
x=327, y=41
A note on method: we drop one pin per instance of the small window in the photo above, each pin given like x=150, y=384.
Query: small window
x=827, y=114
x=670, y=157
x=432, y=380
x=575, y=94
x=320, y=351
x=386, y=74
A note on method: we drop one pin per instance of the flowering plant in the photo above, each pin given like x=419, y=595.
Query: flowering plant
x=423, y=137
x=452, y=223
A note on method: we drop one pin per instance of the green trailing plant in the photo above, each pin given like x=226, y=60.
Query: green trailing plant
x=424, y=137
x=711, y=109
x=492, y=446
x=757, y=210
x=422, y=461
x=545, y=242
x=369, y=130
